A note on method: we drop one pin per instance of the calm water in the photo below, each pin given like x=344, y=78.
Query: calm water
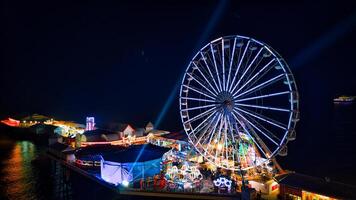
x=19, y=178
x=325, y=146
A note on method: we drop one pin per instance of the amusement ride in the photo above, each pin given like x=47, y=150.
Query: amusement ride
x=239, y=103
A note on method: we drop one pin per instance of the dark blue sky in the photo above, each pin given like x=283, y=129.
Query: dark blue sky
x=120, y=61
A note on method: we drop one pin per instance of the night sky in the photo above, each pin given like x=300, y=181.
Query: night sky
x=121, y=61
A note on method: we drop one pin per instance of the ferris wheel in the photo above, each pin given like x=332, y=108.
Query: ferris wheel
x=238, y=103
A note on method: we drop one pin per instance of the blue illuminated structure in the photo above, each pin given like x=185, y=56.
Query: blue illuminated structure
x=123, y=166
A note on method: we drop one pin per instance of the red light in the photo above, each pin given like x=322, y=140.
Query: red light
x=11, y=122
x=274, y=187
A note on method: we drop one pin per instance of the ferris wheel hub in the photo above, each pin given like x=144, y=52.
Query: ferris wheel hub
x=225, y=102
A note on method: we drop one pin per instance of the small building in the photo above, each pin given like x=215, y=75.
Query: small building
x=97, y=137
x=132, y=163
x=34, y=119
x=300, y=186
x=124, y=130
x=149, y=127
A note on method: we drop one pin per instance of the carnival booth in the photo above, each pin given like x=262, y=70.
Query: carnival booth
x=132, y=164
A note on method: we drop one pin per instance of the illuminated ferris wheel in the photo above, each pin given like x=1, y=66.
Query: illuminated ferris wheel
x=238, y=103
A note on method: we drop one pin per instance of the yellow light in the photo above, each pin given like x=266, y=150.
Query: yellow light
x=220, y=146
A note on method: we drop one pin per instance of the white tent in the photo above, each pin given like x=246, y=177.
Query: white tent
x=115, y=173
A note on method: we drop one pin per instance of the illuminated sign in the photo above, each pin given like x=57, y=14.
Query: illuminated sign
x=274, y=187
x=223, y=182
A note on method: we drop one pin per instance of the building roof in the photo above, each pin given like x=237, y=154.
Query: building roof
x=36, y=117
x=318, y=185
x=149, y=125
x=122, y=154
x=136, y=153
x=97, y=149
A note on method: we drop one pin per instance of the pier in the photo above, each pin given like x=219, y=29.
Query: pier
x=71, y=177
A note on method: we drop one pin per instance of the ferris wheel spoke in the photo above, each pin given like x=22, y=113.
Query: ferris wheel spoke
x=211, y=74
x=202, y=74
x=226, y=144
x=253, y=83
x=254, y=126
x=212, y=133
x=207, y=112
x=258, y=138
x=223, y=62
x=262, y=85
x=214, y=94
x=231, y=61
x=263, y=96
x=239, y=65
x=200, y=92
x=252, y=72
x=232, y=140
x=263, y=107
x=251, y=113
x=267, y=65
x=216, y=67
x=247, y=69
x=218, y=139
x=248, y=133
x=203, y=123
x=207, y=127
x=262, y=127
x=231, y=130
x=198, y=99
x=199, y=107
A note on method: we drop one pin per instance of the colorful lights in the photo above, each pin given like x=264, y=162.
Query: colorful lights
x=223, y=182
x=187, y=172
x=219, y=146
x=90, y=124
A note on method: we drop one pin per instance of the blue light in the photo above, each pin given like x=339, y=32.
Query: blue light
x=206, y=33
x=138, y=156
x=326, y=40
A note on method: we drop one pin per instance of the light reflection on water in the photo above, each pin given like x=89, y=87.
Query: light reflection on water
x=18, y=179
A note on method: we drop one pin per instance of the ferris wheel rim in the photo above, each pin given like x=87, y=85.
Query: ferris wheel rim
x=218, y=88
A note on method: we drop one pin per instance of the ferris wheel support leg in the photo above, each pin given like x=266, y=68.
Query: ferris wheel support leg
x=278, y=167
